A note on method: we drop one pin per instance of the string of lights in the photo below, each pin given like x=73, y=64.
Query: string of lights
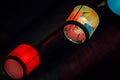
x=78, y=28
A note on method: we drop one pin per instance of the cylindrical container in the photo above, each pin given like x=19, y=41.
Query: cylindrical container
x=21, y=61
x=81, y=24
x=25, y=57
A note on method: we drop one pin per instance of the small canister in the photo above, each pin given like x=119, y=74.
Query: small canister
x=81, y=24
x=21, y=61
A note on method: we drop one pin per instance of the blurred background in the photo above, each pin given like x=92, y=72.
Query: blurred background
x=32, y=21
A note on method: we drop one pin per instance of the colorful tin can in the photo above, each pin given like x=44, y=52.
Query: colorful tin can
x=81, y=24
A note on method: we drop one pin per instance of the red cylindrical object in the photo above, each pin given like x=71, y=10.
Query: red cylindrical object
x=21, y=61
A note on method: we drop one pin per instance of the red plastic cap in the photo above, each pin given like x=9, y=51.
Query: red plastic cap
x=13, y=69
x=25, y=54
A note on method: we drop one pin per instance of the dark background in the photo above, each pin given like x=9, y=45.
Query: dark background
x=32, y=21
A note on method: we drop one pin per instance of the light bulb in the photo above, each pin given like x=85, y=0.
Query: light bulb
x=114, y=6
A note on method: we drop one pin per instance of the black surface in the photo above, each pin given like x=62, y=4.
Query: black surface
x=32, y=21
